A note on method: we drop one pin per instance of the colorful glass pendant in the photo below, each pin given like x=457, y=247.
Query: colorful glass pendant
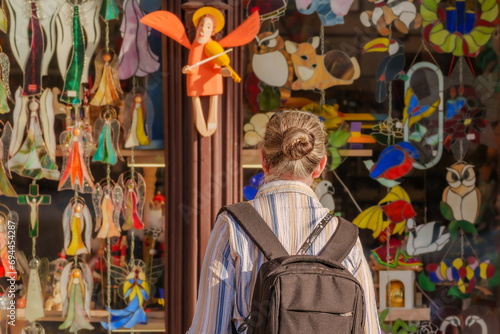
x=5, y=93
x=71, y=92
x=329, y=12
x=77, y=227
x=33, y=199
x=457, y=30
x=109, y=10
x=107, y=90
x=391, y=67
x=137, y=284
x=134, y=191
x=331, y=69
x=402, y=15
x=77, y=144
x=3, y=21
x=76, y=292
x=33, y=66
x=395, y=205
x=136, y=57
x=139, y=118
x=35, y=157
x=425, y=238
x=6, y=188
x=268, y=9
x=34, y=298
x=462, y=195
x=107, y=199
x=107, y=134
x=85, y=20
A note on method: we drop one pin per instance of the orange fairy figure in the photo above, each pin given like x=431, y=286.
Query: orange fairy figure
x=208, y=61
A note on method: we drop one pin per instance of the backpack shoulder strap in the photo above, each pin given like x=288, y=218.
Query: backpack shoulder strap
x=257, y=229
x=341, y=242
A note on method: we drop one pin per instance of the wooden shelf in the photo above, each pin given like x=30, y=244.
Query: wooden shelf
x=414, y=314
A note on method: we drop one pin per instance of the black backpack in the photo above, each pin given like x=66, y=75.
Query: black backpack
x=302, y=294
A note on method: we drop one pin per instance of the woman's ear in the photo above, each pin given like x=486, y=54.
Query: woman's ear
x=319, y=169
x=265, y=166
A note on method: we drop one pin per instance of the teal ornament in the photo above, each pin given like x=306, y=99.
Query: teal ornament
x=109, y=10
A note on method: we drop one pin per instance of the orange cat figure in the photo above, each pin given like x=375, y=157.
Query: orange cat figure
x=319, y=72
x=204, y=75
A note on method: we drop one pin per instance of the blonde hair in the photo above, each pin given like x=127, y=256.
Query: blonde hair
x=294, y=144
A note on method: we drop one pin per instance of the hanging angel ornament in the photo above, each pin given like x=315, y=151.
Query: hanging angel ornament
x=107, y=134
x=5, y=93
x=34, y=299
x=136, y=57
x=78, y=37
x=32, y=146
x=208, y=61
x=138, y=118
x=3, y=21
x=6, y=188
x=32, y=37
x=107, y=90
x=136, y=286
x=134, y=190
x=76, y=292
x=107, y=199
x=77, y=144
x=77, y=227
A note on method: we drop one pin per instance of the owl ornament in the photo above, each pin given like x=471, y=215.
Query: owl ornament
x=462, y=195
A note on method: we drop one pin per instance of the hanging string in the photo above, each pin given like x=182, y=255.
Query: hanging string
x=107, y=37
x=108, y=287
x=347, y=190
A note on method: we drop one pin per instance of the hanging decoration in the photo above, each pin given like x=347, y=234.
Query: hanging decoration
x=134, y=191
x=77, y=227
x=35, y=157
x=268, y=9
x=107, y=90
x=9, y=221
x=107, y=135
x=3, y=21
x=250, y=191
x=107, y=199
x=204, y=77
x=397, y=208
x=135, y=57
x=29, y=30
x=423, y=97
x=77, y=144
x=461, y=88
x=33, y=199
x=76, y=292
x=79, y=38
x=5, y=93
x=256, y=127
x=466, y=273
x=269, y=83
x=71, y=92
x=136, y=281
x=456, y=29
x=388, y=132
x=324, y=190
x=338, y=140
x=475, y=319
x=425, y=238
x=6, y=188
x=330, y=12
x=400, y=14
x=320, y=71
x=395, y=162
x=109, y=10
x=391, y=67
x=462, y=195
x=34, y=298
x=138, y=118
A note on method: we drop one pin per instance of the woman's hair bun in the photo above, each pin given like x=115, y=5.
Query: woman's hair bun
x=297, y=143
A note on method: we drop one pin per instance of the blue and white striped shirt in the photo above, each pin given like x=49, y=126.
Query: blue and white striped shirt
x=231, y=262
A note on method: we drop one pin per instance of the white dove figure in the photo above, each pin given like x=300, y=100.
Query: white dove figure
x=425, y=238
x=324, y=190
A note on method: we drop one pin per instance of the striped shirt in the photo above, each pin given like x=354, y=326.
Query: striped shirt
x=231, y=262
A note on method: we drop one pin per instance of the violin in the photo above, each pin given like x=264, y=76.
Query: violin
x=213, y=48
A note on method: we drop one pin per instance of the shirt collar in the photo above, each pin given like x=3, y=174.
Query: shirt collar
x=285, y=186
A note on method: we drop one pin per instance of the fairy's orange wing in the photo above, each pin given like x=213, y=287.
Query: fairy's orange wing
x=244, y=34
x=168, y=24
